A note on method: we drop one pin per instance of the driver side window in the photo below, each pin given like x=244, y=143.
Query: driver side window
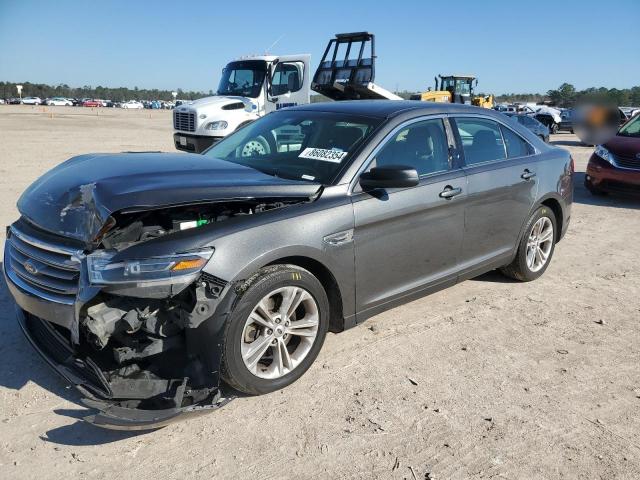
x=287, y=77
x=422, y=145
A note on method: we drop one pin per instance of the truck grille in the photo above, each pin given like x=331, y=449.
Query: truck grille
x=184, y=121
x=630, y=162
x=48, y=271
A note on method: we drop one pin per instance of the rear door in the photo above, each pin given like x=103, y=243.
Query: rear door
x=501, y=188
x=409, y=239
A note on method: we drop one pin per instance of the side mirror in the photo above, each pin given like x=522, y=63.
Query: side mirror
x=392, y=176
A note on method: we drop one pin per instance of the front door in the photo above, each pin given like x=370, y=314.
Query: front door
x=409, y=239
x=289, y=84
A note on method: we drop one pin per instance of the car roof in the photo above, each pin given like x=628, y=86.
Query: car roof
x=389, y=108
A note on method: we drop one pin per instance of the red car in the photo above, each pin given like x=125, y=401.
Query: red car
x=615, y=166
x=92, y=103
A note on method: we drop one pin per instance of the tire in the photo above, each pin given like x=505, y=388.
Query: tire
x=553, y=128
x=521, y=267
x=242, y=332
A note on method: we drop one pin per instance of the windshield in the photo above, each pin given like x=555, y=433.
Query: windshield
x=632, y=128
x=243, y=79
x=298, y=145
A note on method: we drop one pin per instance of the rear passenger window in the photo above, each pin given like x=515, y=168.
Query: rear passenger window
x=516, y=146
x=481, y=140
x=422, y=145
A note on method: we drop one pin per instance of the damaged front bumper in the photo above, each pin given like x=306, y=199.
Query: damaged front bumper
x=139, y=373
x=112, y=399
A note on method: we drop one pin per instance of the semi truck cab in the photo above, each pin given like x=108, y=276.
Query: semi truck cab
x=250, y=87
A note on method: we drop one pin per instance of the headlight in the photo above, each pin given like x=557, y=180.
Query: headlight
x=102, y=271
x=605, y=154
x=219, y=125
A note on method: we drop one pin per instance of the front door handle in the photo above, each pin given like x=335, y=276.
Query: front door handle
x=527, y=175
x=449, y=192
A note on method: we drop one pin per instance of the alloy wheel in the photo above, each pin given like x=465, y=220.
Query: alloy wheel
x=280, y=332
x=539, y=244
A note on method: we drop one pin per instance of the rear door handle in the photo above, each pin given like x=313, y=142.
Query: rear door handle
x=527, y=175
x=450, y=192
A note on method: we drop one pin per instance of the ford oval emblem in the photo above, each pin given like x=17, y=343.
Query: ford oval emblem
x=30, y=267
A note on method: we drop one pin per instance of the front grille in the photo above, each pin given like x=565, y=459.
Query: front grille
x=184, y=121
x=45, y=270
x=625, y=161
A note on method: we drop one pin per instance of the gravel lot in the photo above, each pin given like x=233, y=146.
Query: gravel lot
x=488, y=379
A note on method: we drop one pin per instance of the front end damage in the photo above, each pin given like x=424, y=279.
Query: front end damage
x=140, y=337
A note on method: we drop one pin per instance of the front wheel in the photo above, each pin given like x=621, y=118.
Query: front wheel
x=276, y=330
x=536, y=247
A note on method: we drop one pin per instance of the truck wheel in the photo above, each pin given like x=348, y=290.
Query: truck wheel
x=536, y=247
x=275, y=331
x=255, y=147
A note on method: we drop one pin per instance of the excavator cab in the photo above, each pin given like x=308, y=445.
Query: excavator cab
x=459, y=86
x=347, y=69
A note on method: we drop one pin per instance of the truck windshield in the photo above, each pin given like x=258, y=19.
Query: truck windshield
x=243, y=79
x=297, y=145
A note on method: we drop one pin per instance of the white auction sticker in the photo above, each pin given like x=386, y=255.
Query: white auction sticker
x=334, y=156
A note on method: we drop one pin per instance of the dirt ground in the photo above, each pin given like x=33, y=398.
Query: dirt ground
x=488, y=379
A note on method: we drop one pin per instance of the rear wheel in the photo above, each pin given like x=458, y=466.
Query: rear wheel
x=276, y=330
x=536, y=247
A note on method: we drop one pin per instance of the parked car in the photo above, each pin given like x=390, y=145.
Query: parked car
x=2, y=101
x=532, y=124
x=14, y=101
x=132, y=104
x=92, y=103
x=615, y=166
x=235, y=263
x=32, y=101
x=59, y=101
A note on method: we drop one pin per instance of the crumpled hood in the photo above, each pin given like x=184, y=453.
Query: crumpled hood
x=76, y=198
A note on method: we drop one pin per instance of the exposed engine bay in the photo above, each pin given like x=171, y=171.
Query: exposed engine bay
x=132, y=226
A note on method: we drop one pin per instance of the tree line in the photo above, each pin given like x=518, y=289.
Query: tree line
x=567, y=96
x=119, y=94
x=564, y=96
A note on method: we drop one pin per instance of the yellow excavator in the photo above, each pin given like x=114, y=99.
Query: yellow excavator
x=455, y=89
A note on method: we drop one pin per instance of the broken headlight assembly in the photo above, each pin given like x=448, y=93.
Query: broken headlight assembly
x=179, y=268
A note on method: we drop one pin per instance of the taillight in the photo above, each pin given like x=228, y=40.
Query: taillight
x=573, y=164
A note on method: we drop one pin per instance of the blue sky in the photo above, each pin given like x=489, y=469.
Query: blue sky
x=512, y=46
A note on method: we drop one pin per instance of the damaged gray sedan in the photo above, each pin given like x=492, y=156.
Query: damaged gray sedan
x=159, y=284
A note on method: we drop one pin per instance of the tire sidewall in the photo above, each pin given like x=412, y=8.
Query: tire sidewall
x=542, y=211
x=234, y=370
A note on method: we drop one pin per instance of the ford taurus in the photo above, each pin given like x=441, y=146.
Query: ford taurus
x=154, y=282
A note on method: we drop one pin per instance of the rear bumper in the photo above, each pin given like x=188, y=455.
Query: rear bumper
x=193, y=143
x=111, y=399
x=604, y=176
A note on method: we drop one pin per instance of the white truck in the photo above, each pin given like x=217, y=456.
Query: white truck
x=251, y=87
